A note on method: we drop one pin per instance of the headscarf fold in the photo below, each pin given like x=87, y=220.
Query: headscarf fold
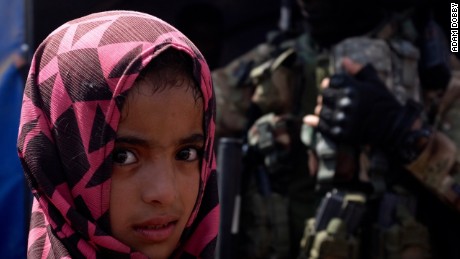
x=70, y=115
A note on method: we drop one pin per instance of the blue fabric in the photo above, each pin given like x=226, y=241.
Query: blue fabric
x=12, y=186
x=13, y=203
x=12, y=27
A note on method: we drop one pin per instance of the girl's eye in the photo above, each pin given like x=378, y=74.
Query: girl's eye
x=188, y=154
x=123, y=157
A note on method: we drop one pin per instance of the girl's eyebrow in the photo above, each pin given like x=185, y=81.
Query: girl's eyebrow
x=194, y=138
x=133, y=140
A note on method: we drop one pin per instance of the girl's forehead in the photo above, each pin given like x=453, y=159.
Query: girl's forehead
x=178, y=94
x=162, y=119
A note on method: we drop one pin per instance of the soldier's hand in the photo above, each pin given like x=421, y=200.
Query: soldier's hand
x=357, y=108
x=352, y=68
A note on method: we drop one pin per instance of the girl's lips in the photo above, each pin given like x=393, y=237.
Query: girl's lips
x=154, y=232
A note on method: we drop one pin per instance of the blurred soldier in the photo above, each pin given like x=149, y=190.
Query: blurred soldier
x=373, y=116
x=260, y=97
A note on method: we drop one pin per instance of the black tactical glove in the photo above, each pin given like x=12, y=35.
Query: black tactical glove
x=360, y=110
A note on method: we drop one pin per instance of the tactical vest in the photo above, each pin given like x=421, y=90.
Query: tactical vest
x=395, y=60
x=284, y=91
x=333, y=232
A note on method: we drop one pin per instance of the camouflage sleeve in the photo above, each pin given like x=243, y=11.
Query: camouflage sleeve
x=232, y=103
x=234, y=91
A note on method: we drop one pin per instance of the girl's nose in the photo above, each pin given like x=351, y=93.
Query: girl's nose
x=158, y=183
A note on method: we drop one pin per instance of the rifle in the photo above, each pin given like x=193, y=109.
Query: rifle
x=229, y=168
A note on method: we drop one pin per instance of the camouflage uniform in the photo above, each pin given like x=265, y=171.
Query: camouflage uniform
x=416, y=230
x=262, y=76
x=271, y=210
x=392, y=233
x=277, y=190
x=233, y=91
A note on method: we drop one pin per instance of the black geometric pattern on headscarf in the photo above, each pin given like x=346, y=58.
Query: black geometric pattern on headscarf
x=30, y=179
x=37, y=247
x=56, y=217
x=120, y=100
x=212, y=103
x=51, y=50
x=71, y=243
x=26, y=128
x=38, y=220
x=81, y=225
x=82, y=208
x=101, y=132
x=33, y=93
x=209, y=201
x=197, y=71
x=70, y=147
x=82, y=68
x=166, y=42
x=147, y=25
x=101, y=174
x=46, y=89
x=208, y=113
x=102, y=225
x=120, y=68
x=46, y=163
x=83, y=28
x=58, y=251
x=193, y=47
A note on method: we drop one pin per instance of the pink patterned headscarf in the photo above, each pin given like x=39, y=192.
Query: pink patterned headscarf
x=70, y=115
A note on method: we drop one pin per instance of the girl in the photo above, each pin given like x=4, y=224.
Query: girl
x=116, y=141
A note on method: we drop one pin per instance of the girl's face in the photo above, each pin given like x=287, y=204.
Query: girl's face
x=156, y=170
